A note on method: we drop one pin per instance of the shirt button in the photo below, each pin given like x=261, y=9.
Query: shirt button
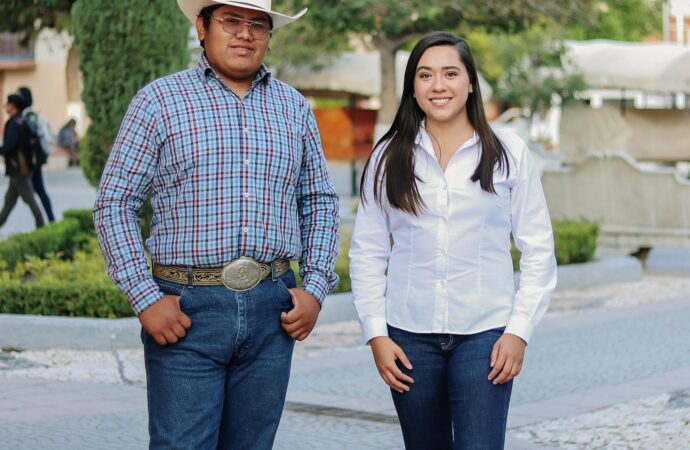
x=246, y=129
x=246, y=162
x=246, y=195
x=245, y=229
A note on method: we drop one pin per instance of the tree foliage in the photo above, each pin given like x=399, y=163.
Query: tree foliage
x=540, y=75
x=29, y=16
x=620, y=20
x=122, y=46
x=527, y=67
x=388, y=25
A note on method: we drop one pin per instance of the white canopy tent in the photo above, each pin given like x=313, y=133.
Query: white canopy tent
x=653, y=127
x=651, y=67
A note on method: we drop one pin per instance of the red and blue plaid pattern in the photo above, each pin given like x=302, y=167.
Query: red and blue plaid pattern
x=229, y=177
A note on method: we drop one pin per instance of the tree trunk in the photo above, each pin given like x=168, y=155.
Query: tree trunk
x=388, y=97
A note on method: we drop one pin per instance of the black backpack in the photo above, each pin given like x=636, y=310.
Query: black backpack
x=37, y=156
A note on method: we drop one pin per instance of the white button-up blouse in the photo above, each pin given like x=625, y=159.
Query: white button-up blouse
x=449, y=269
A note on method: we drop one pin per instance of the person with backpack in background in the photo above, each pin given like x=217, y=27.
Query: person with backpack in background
x=41, y=128
x=19, y=161
x=69, y=139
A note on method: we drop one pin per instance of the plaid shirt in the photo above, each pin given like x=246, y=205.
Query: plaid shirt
x=229, y=177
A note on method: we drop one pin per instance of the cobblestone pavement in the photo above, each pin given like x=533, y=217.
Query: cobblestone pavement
x=661, y=422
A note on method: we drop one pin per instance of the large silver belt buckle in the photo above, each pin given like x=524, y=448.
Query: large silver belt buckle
x=241, y=274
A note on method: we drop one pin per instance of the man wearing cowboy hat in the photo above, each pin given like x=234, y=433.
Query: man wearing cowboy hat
x=239, y=186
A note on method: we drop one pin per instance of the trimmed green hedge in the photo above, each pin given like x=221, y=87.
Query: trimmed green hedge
x=69, y=298
x=575, y=242
x=63, y=237
x=84, y=217
x=53, y=286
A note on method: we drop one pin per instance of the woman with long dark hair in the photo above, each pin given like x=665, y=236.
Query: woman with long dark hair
x=430, y=260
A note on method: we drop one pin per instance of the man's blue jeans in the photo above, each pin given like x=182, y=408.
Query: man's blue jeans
x=451, y=404
x=223, y=385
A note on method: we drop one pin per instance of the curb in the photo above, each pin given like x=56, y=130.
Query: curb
x=43, y=332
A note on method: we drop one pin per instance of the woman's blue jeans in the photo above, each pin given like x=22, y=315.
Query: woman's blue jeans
x=223, y=385
x=451, y=404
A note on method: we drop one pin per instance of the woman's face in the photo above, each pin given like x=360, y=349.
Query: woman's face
x=442, y=85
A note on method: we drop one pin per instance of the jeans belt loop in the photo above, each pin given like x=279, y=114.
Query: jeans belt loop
x=274, y=277
x=190, y=276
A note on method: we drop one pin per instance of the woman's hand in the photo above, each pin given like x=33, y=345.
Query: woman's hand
x=506, y=358
x=386, y=353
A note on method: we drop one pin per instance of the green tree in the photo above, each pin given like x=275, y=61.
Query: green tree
x=538, y=76
x=27, y=17
x=620, y=20
x=390, y=24
x=122, y=45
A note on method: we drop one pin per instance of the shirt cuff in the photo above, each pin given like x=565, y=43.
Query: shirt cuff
x=315, y=285
x=521, y=327
x=143, y=295
x=373, y=327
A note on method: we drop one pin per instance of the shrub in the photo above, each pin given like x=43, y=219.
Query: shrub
x=575, y=242
x=84, y=217
x=62, y=238
x=53, y=286
x=64, y=298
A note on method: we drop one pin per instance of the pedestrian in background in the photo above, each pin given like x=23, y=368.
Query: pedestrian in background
x=430, y=262
x=239, y=187
x=69, y=140
x=45, y=135
x=19, y=163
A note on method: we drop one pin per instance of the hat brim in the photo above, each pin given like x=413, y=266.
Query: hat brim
x=191, y=9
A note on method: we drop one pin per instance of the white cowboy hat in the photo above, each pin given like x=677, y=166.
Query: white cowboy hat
x=191, y=9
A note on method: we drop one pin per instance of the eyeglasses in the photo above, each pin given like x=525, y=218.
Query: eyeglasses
x=235, y=25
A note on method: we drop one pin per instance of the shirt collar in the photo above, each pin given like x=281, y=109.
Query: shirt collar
x=424, y=140
x=205, y=71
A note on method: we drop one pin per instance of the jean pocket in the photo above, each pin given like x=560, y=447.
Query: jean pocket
x=169, y=288
x=176, y=289
x=283, y=287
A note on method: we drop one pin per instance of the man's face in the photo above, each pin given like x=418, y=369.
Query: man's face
x=238, y=56
x=11, y=109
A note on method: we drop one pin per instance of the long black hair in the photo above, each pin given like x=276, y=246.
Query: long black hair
x=396, y=161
